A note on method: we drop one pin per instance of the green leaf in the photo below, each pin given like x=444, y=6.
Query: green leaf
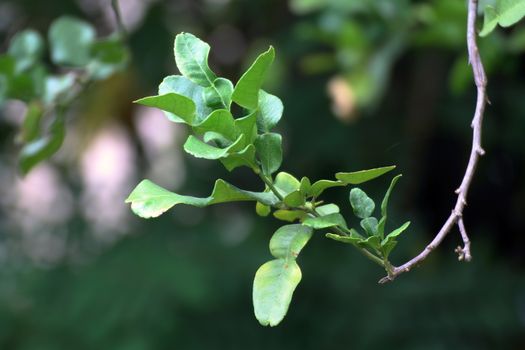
x=276, y=280
x=286, y=183
x=393, y=235
x=219, y=121
x=191, y=56
x=109, y=55
x=369, y=225
x=326, y=221
x=288, y=241
x=262, y=210
x=289, y=215
x=41, y=149
x=219, y=95
x=180, y=108
x=70, y=41
x=359, y=177
x=246, y=126
x=27, y=47
x=384, y=203
x=246, y=92
x=373, y=242
x=269, y=150
x=362, y=205
x=305, y=186
x=506, y=13
x=245, y=157
x=273, y=288
x=327, y=209
x=150, y=200
x=270, y=111
x=199, y=149
x=294, y=199
x=319, y=186
x=185, y=87
x=31, y=125
x=490, y=21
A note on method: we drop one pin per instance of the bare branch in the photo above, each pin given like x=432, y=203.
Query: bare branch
x=456, y=217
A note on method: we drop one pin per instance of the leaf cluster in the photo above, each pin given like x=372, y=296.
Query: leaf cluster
x=203, y=101
x=73, y=48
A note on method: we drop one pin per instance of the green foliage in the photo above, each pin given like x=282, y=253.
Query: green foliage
x=276, y=280
x=83, y=58
x=203, y=101
x=505, y=13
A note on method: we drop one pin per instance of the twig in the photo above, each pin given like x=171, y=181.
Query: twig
x=456, y=217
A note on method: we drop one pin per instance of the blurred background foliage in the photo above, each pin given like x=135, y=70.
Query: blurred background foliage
x=365, y=84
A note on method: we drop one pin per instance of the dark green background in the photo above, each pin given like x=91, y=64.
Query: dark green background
x=171, y=283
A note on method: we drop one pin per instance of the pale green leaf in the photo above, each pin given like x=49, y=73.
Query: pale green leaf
x=273, y=288
x=326, y=221
x=246, y=126
x=176, y=105
x=57, y=87
x=185, y=87
x=245, y=157
x=219, y=121
x=362, y=205
x=357, y=177
x=369, y=225
x=305, y=186
x=246, y=92
x=327, y=209
x=288, y=241
x=286, y=183
x=269, y=150
x=262, y=210
x=294, y=199
x=490, y=20
x=70, y=41
x=219, y=94
x=289, y=215
x=199, y=149
x=351, y=239
x=506, y=13
x=191, y=56
x=319, y=186
x=27, y=47
x=270, y=111
x=150, y=200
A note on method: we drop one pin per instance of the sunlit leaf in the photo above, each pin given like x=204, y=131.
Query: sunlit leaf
x=245, y=157
x=262, y=210
x=506, y=13
x=357, y=177
x=219, y=121
x=150, y=200
x=246, y=92
x=70, y=41
x=191, y=56
x=294, y=199
x=246, y=126
x=289, y=215
x=270, y=111
x=219, y=94
x=362, y=205
x=326, y=221
x=27, y=47
x=327, y=209
x=286, y=183
x=199, y=149
x=288, y=241
x=176, y=105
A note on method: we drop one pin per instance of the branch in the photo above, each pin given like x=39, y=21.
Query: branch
x=456, y=217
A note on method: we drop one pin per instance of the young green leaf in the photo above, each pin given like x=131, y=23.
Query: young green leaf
x=180, y=108
x=362, y=205
x=27, y=47
x=185, y=87
x=358, y=177
x=288, y=241
x=327, y=209
x=369, y=225
x=393, y=235
x=270, y=111
x=246, y=92
x=70, y=41
x=149, y=200
x=31, y=125
x=270, y=152
x=319, y=186
x=384, y=203
x=191, y=56
x=199, y=149
x=305, y=186
x=262, y=210
x=286, y=183
x=294, y=199
x=354, y=238
x=289, y=215
x=326, y=221
x=219, y=95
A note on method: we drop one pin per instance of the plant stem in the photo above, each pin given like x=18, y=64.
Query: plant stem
x=268, y=181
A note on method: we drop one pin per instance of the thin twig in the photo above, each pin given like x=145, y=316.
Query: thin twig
x=456, y=217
